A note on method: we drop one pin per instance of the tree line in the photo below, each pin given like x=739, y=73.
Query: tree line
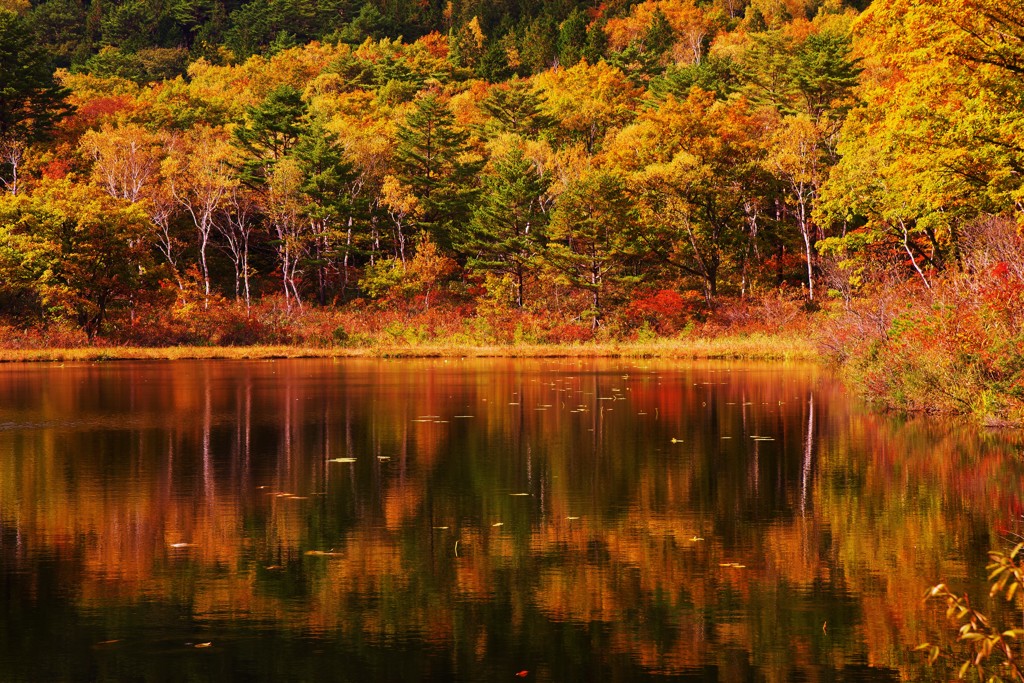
x=556, y=157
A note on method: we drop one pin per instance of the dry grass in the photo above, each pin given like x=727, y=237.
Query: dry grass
x=751, y=347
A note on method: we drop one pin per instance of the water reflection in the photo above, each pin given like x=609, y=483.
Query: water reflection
x=408, y=520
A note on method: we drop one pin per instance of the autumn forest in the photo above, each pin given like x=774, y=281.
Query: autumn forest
x=353, y=173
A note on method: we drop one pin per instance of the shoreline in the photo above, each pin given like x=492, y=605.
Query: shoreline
x=763, y=347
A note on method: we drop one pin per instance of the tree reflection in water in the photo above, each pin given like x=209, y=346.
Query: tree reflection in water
x=705, y=520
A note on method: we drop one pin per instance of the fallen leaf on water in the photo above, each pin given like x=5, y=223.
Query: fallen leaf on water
x=203, y=644
x=519, y=494
x=440, y=527
x=571, y=518
x=498, y=524
x=696, y=538
x=181, y=545
x=523, y=674
x=675, y=440
x=342, y=460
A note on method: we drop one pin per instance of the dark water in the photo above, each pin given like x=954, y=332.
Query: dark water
x=479, y=520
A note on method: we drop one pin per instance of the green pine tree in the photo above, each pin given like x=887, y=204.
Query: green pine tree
x=327, y=179
x=271, y=130
x=506, y=233
x=31, y=103
x=572, y=38
x=590, y=243
x=825, y=74
x=431, y=160
x=515, y=107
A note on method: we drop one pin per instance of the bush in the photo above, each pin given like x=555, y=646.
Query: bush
x=956, y=348
x=981, y=645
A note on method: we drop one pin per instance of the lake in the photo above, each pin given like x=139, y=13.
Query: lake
x=549, y=519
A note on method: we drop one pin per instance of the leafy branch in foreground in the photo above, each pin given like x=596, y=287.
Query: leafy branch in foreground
x=985, y=647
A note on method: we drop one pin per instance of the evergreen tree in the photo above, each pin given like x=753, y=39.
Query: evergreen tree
x=754, y=19
x=60, y=29
x=597, y=43
x=590, y=237
x=31, y=102
x=659, y=36
x=825, y=74
x=572, y=38
x=327, y=177
x=506, y=233
x=430, y=161
x=713, y=73
x=538, y=50
x=272, y=129
x=813, y=76
x=369, y=23
x=516, y=108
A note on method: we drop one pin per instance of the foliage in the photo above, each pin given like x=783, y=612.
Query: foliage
x=507, y=231
x=613, y=169
x=431, y=156
x=80, y=251
x=985, y=647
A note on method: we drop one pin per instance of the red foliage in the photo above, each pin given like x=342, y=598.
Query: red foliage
x=665, y=310
x=569, y=333
x=56, y=169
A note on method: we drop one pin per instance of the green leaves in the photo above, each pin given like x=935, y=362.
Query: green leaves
x=815, y=75
x=507, y=229
x=590, y=236
x=434, y=161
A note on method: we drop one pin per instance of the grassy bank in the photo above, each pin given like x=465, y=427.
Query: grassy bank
x=954, y=348
x=757, y=346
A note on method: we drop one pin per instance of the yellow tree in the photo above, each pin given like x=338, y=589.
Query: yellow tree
x=283, y=203
x=587, y=101
x=126, y=158
x=403, y=207
x=430, y=267
x=80, y=251
x=938, y=141
x=797, y=158
x=698, y=177
x=199, y=175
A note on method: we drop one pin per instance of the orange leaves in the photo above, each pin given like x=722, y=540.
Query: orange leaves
x=693, y=26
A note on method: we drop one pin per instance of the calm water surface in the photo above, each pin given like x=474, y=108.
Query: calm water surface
x=479, y=520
